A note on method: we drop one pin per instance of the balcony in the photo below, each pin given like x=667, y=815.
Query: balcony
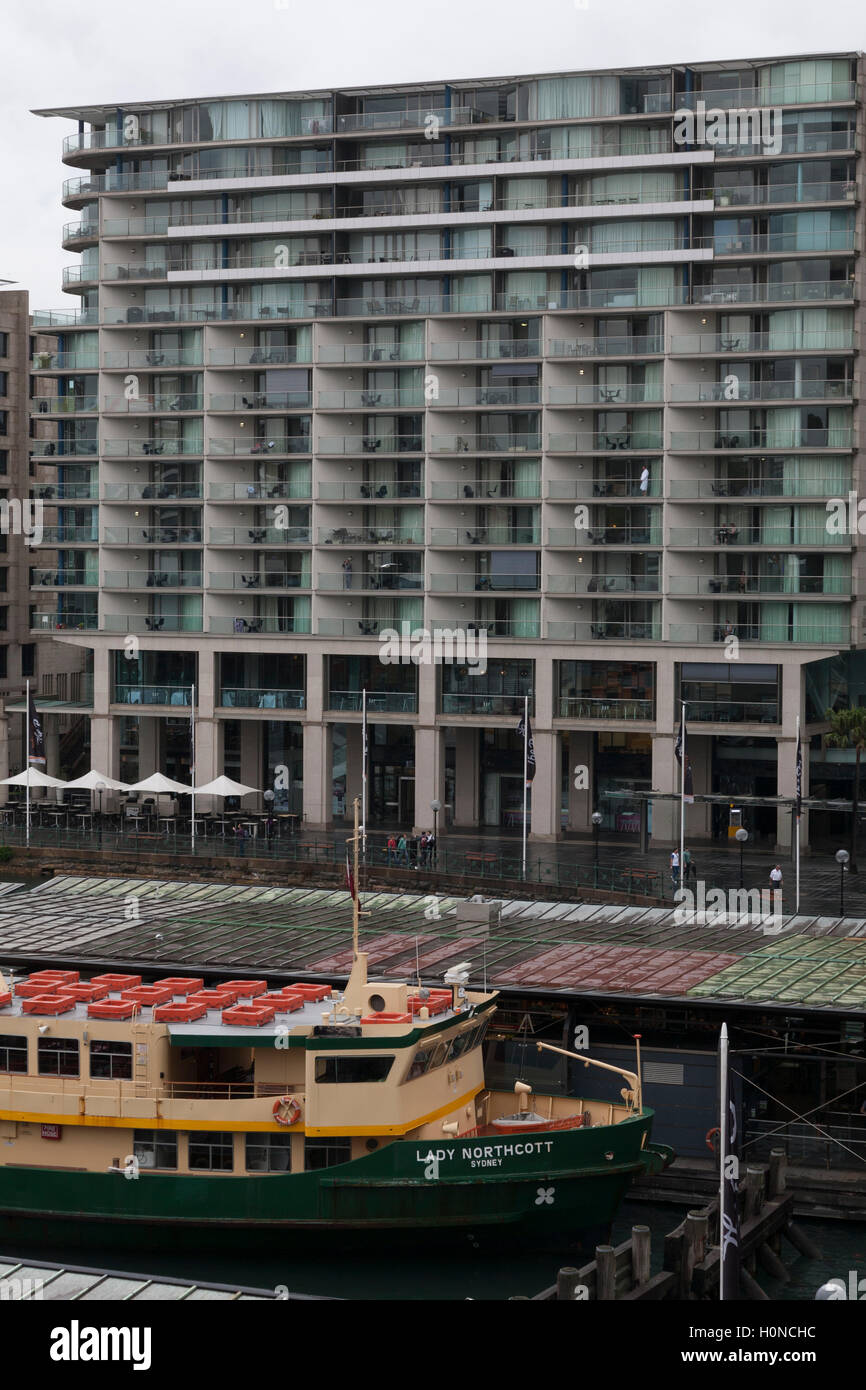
x=603, y=631
x=459, y=350
x=768, y=583
x=72, y=318
x=151, y=535
x=269, y=579
x=754, y=488
x=65, y=492
x=407, y=120
x=501, y=705
x=356, y=627
x=79, y=231
x=525, y=628
x=783, y=94
x=65, y=361
x=733, y=712
x=716, y=391
x=259, y=356
x=800, y=535
x=262, y=400
x=251, y=626
x=152, y=579
x=235, y=697
x=704, y=633
x=485, y=535
x=815, y=191
x=776, y=243
x=448, y=583
x=570, y=489
x=140, y=271
x=239, y=312
x=155, y=404
x=140, y=359
x=382, y=702
x=603, y=535
x=603, y=584
x=626, y=346
x=369, y=580
x=64, y=622
x=506, y=490
x=294, y=490
x=586, y=707
x=63, y=405
x=148, y=448
x=467, y=396
x=638, y=393
x=77, y=579
x=373, y=490
x=392, y=535
x=794, y=340
x=67, y=535
x=156, y=622
x=518, y=443
x=407, y=398
x=584, y=441
x=352, y=353
x=261, y=535
x=385, y=444
x=288, y=444
x=138, y=694
x=142, y=492
x=696, y=441
x=784, y=292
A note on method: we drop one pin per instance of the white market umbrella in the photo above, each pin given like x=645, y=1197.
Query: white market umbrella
x=32, y=778
x=158, y=783
x=94, y=781
x=224, y=786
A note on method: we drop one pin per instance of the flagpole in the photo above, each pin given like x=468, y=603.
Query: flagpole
x=27, y=762
x=723, y=1145
x=364, y=769
x=192, y=768
x=797, y=826
x=525, y=771
x=683, y=795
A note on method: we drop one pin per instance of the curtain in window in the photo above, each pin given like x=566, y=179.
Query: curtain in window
x=837, y=574
x=301, y=613
x=654, y=516
x=783, y=428
x=82, y=350
x=526, y=193
x=822, y=623
x=776, y=525
x=791, y=574
x=647, y=186
x=526, y=474
x=774, y=622
x=636, y=139
x=818, y=476
x=822, y=79
x=91, y=566
x=562, y=97
x=483, y=151
x=471, y=293
x=630, y=236
x=525, y=289
x=273, y=119
x=526, y=240
x=656, y=285
x=193, y=437
x=408, y=610
x=300, y=480
x=412, y=340
x=304, y=343
x=652, y=381
x=306, y=565
x=810, y=526
x=470, y=242
x=573, y=141
x=190, y=612
x=524, y=617
x=839, y=422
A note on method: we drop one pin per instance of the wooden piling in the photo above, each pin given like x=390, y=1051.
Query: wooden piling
x=641, y=1254
x=605, y=1259
x=778, y=1164
x=801, y=1241
x=769, y=1261
x=566, y=1282
x=751, y=1287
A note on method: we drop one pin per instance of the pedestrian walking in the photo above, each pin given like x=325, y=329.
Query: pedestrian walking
x=675, y=868
x=687, y=864
x=431, y=850
x=392, y=851
x=422, y=850
x=402, y=851
x=776, y=876
x=241, y=839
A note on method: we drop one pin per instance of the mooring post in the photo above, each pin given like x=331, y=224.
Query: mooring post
x=751, y=1287
x=778, y=1164
x=566, y=1283
x=754, y=1188
x=801, y=1241
x=605, y=1263
x=641, y=1254
x=770, y=1261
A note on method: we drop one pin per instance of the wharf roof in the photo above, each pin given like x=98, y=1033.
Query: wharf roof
x=566, y=949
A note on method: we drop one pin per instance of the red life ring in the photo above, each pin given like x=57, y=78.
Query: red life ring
x=287, y=1111
x=710, y=1132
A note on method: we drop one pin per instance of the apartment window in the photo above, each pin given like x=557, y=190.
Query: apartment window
x=4, y=383
x=28, y=658
x=4, y=617
x=4, y=461
x=13, y=1052
x=4, y=662
x=4, y=421
x=345, y=1069
x=154, y=1148
x=58, y=1057
x=111, y=1060
x=325, y=1153
x=212, y=1150
x=4, y=344
x=268, y=1153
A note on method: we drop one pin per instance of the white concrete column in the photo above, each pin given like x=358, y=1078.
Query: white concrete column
x=429, y=777
x=545, y=793
x=318, y=758
x=149, y=750
x=793, y=703
x=467, y=777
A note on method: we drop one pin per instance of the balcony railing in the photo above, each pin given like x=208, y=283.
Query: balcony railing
x=261, y=400
x=259, y=625
x=63, y=579
x=588, y=440
x=151, y=622
x=141, y=358
x=238, y=312
x=372, y=491
x=371, y=444
x=258, y=356
x=603, y=631
x=382, y=702
x=693, y=633
x=369, y=579
x=459, y=350
x=734, y=711
x=80, y=231
x=293, y=490
x=488, y=395
x=483, y=583
x=237, y=697
x=152, y=579
x=638, y=393
x=603, y=584
x=458, y=703
x=66, y=622
x=151, y=270
x=67, y=535
x=761, y=391
x=149, y=405
x=368, y=352
x=151, y=535
x=66, y=492
x=602, y=535
x=66, y=361
x=517, y=443
x=356, y=627
x=771, y=583
x=391, y=535
x=139, y=694
x=751, y=487
x=727, y=534
x=834, y=437
x=589, y=707
x=288, y=444
x=405, y=398
x=72, y=318
x=823, y=191
x=142, y=492
x=792, y=340
x=269, y=579
x=261, y=535
x=785, y=292
x=63, y=405
x=145, y=448
x=782, y=94
x=509, y=489
x=485, y=535
x=761, y=243
x=408, y=120
x=567, y=489
x=626, y=346
x=494, y=627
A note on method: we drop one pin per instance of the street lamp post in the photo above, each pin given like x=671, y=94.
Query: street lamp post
x=268, y=798
x=842, y=857
x=435, y=807
x=597, y=819
x=100, y=788
x=742, y=835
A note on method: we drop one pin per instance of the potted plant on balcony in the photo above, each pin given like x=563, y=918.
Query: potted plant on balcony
x=43, y=359
x=850, y=191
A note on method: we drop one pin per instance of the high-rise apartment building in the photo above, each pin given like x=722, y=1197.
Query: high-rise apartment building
x=566, y=365
x=57, y=674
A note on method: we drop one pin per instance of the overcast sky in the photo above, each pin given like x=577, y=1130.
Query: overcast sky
x=58, y=54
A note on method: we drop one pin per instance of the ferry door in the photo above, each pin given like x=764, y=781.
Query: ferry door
x=406, y=794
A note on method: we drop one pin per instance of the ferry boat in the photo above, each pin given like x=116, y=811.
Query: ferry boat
x=145, y=1112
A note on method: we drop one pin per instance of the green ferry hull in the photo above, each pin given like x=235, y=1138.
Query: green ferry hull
x=549, y=1187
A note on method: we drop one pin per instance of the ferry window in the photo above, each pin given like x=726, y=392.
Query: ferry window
x=343, y=1069
x=111, y=1060
x=210, y=1150
x=58, y=1057
x=155, y=1148
x=324, y=1153
x=439, y=1054
x=420, y=1063
x=268, y=1153
x=13, y=1053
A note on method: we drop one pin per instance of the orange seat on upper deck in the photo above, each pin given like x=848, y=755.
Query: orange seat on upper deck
x=245, y=989
x=249, y=1015
x=434, y=1006
x=149, y=994
x=386, y=1017
x=180, y=984
x=48, y=1004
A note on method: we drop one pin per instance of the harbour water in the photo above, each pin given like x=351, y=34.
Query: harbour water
x=474, y=1275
